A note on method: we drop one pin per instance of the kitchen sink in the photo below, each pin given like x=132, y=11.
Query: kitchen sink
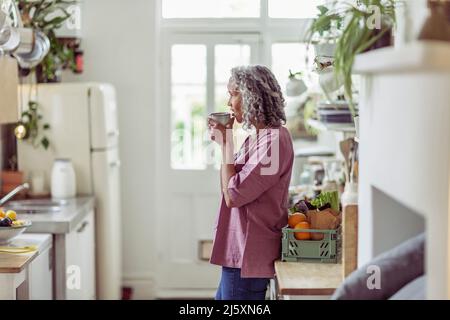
x=36, y=206
x=43, y=210
x=37, y=203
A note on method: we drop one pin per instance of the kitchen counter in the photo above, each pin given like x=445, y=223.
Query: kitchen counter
x=15, y=263
x=64, y=221
x=72, y=226
x=311, y=279
x=16, y=277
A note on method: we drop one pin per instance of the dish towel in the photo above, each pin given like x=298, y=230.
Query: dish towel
x=16, y=250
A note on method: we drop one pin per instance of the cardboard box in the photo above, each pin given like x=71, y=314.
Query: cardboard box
x=9, y=82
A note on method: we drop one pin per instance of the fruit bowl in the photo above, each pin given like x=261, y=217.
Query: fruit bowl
x=8, y=233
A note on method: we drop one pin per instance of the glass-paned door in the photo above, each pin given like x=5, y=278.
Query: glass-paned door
x=197, y=73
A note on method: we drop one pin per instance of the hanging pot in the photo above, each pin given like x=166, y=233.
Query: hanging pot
x=31, y=57
x=325, y=49
x=295, y=87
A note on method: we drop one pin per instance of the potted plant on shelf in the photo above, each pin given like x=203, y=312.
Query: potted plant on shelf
x=48, y=16
x=358, y=28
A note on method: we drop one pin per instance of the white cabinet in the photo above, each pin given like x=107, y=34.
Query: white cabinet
x=41, y=276
x=80, y=261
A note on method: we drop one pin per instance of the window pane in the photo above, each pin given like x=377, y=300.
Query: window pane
x=227, y=56
x=188, y=116
x=188, y=64
x=290, y=56
x=210, y=8
x=300, y=9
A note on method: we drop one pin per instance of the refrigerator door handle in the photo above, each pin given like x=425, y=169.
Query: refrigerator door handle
x=115, y=164
x=113, y=134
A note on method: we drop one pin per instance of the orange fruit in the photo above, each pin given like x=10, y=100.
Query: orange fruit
x=302, y=235
x=295, y=218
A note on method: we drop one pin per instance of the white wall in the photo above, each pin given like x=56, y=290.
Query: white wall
x=374, y=239
x=119, y=41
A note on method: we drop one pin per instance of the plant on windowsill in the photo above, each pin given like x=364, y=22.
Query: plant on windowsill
x=362, y=27
x=31, y=129
x=48, y=16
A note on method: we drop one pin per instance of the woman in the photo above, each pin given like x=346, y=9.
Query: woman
x=254, y=183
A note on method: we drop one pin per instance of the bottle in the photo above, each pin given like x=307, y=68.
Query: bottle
x=37, y=179
x=306, y=176
x=63, y=184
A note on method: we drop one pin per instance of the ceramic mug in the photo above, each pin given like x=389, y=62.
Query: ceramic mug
x=221, y=117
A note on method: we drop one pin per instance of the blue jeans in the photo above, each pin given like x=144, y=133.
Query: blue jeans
x=233, y=287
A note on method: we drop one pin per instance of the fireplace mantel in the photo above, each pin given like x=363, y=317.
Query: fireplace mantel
x=413, y=57
x=405, y=154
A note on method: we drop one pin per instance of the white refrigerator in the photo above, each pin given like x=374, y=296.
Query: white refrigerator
x=84, y=127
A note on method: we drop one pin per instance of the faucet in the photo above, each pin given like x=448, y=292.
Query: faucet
x=16, y=190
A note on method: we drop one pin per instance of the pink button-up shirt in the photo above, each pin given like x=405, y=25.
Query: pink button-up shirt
x=248, y=236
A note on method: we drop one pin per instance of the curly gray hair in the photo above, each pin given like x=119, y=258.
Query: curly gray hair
x=262, y=99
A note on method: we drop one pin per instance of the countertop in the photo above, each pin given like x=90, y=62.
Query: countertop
x=297, y=278
x=15, y=263
x=64, y=221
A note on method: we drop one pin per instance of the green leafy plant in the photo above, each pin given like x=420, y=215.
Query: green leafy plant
x=353, y=36
x=48, y=16
x=309, y=112
x=29, y=127
x=326, y=22
x=331, y=198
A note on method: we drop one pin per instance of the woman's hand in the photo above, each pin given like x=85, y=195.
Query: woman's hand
x=221, y=134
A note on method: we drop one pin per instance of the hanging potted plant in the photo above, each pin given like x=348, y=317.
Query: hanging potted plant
x=31, y=129
x=324, y=31
x=296, y=86
x=362, y=27
x=48, y=16
x=358, y=37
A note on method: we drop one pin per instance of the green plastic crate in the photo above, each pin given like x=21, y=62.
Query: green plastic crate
x=326, y=250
